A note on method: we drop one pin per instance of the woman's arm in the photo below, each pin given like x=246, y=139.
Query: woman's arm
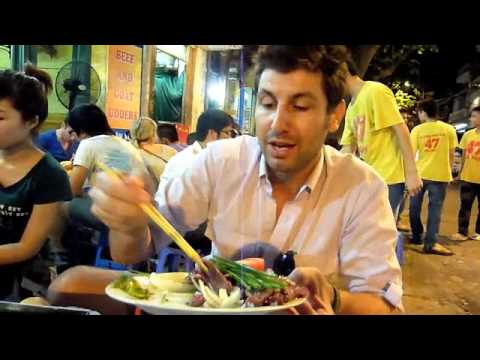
x=77, y=179
x=42, y=221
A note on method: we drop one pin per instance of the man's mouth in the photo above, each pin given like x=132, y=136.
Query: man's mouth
x=281, y=149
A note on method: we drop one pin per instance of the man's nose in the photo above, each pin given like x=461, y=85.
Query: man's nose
x=280, y=119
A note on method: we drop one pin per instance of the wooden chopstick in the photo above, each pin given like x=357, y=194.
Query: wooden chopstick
x=162, y=223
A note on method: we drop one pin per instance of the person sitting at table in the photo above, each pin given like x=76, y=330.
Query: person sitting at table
x=33, y=185
x=283, y=187
x=60, y=143
x=144, y=137
x=98, y=144
x=167, y=135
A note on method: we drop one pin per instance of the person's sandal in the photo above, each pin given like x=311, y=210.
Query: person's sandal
x=475, y=237
x=439, y=250
x=458, y=237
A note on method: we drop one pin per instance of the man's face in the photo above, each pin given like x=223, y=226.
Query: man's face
x=69, y=134
x=475, y=118
x=226, y=133
x=291, y=118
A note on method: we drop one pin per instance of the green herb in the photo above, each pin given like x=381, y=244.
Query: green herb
x=247, y=277
x=131, y=287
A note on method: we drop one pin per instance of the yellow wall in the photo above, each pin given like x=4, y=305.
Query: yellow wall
x=56, y=111
x=5, y=62
x=52, y=65
x=195, y=81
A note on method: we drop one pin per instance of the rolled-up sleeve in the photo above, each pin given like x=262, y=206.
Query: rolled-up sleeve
x=184, y=200
x=367, y=255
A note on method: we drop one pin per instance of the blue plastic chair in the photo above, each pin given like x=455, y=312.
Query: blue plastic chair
x=102, y=262
x=171, y=260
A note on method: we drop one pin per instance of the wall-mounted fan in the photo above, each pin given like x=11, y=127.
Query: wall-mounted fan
x=77, y=82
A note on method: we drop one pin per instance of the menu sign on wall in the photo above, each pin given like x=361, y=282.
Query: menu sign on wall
x=124, y=85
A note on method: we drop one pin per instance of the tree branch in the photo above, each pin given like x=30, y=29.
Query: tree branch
x=390, y=70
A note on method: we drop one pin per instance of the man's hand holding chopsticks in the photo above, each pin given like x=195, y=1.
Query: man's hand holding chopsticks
x=116, y=204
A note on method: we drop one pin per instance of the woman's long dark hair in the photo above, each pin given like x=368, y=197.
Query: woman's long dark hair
x=89, y=119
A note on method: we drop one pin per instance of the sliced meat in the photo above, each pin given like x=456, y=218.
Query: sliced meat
x=278, y=298
x=289, y=292
x=269, y=297
x=258, y=298
x=216, y=279
x=197, y=300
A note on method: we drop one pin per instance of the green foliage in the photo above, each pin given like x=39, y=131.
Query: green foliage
x=398, y=66
x=391, y=60
x=406, y=94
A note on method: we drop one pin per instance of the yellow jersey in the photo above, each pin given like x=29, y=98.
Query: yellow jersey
x=368, y=125
x=470, y=144
x=432, y=143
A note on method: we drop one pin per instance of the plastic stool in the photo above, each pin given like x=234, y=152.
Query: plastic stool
x=172, y=259
x=105, y=263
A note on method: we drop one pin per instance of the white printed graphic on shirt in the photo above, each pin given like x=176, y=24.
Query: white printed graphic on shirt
x=360, y=131
x=12, y=211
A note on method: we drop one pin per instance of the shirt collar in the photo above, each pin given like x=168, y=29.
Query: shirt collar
x=311, y=181
x=196, y=147
x=314, y=177
x=262, y=170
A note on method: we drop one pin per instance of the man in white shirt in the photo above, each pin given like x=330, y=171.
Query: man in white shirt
x=283, y=187
x=212, y=125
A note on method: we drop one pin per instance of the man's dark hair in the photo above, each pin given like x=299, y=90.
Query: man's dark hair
x=329, y=60
x=476, y=109
x=167, y=131
x=212, y=119
x=192, y=137
x=429, y=106
x=352, y=67
x=89, y=119
x=28, y=92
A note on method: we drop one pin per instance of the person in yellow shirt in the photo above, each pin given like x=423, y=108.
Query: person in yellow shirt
x=434, y=143
x=376, y=131
x=470, y=178
x=405, y=201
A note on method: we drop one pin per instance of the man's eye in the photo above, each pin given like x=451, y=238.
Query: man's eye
x=268, y=105
x=301, y=108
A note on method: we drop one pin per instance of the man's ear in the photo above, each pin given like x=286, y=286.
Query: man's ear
x=33, y=123
x=211, y=135
x=336, y=116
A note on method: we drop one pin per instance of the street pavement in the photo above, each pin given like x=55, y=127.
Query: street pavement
x=436, y=284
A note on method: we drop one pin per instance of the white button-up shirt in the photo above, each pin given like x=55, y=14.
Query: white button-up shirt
x=339, y=222
x=180, y=162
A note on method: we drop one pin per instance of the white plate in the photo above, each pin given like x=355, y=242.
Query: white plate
x=154, y=308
